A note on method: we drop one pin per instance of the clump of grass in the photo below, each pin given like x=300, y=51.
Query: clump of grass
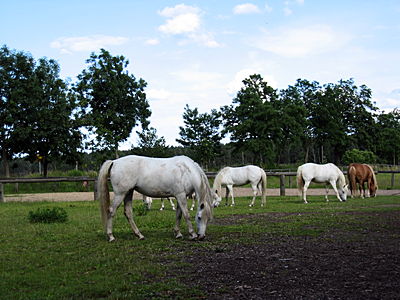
x=141, y=210
x=48, y=215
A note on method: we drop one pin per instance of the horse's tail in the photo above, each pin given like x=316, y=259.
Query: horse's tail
x=351, y=173
x=103, y=194
x=263, y=182
x=299, y=178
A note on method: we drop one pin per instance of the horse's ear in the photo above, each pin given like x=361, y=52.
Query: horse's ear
x=202, y=206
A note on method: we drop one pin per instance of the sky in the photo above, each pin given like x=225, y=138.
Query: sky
x=198, y=52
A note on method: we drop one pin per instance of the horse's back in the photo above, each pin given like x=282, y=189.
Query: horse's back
x=318, y=172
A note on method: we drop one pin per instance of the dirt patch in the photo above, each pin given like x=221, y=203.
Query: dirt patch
x=362, y=264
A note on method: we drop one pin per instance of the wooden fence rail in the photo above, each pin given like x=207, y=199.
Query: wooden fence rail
x=281, y=175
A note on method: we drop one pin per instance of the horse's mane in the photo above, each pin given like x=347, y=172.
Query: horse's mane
x=341, y=180
x=373, y=176
x=205, y=191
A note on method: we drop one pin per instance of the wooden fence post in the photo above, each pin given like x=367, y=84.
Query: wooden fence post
x=1, y=193
x=95, y=190
x=392, y=182
x=282, y=185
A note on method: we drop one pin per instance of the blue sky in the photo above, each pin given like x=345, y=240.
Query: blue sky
x=198, y=52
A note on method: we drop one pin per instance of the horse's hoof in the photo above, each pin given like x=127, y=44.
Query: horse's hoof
x=111, y=239
x=193, y=237
x=179, y=236
x=141, y=237
x=201, y=237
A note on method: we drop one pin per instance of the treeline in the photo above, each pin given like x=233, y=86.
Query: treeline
x=55, y=122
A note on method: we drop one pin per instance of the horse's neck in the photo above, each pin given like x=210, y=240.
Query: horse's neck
x=217, y=183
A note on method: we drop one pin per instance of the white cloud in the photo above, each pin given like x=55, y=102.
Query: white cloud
x=301, y=42
x=152, y=42
x=246, y=8
x=186, y=21
x=86, y=43
x=180, y=24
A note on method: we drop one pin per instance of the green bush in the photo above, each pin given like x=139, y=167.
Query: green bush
x=47, y=215
x=141, y=210
x=358, y=156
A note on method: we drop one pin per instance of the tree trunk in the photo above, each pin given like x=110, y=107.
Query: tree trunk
x=6, y=166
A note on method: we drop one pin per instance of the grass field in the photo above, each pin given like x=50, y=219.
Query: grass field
x=74, y=260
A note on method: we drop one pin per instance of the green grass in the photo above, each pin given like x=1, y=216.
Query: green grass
x=74, y=260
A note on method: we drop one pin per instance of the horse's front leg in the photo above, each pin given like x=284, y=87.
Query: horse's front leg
x=326, y=192
x=226, y=195
x=182, y=202
x=333, y=184
x=230, y=189
x=254, y=188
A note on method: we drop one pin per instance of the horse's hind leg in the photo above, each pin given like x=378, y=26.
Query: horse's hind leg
x=326, y=192
x=304, y=192
x=118, y=198
x=177, y=229
x=129, y=216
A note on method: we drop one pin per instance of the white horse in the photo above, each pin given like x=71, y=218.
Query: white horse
x=155, y=177
x=230, y=177
x=328, y=174
x=149, y=201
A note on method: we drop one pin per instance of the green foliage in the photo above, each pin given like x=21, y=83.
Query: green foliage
x=358, y=156
x=141, y=210
x=48, y=215
x=111, y=100
x=201, y=134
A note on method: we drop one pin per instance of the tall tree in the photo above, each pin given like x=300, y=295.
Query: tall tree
x=16, y=69
x=45, y=120
x=112, y=101
x=253, y=119
x=201, y=133
x=388, y=137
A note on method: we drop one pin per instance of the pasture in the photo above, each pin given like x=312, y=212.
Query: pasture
x=286, y=249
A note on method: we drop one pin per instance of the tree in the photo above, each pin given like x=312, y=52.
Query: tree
x=112, y=100
x=252, y=120
x=150, y=144
x=388, y=136
x=45, y=121
x=16, y=69
x=201, y=133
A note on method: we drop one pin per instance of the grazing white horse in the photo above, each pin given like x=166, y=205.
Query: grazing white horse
x=328, y=174
x=230, y=177
x=155, y=177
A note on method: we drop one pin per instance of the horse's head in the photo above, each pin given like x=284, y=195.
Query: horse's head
x=216, y=198
x=372, y=190
x=203, y=215
x=343, y=192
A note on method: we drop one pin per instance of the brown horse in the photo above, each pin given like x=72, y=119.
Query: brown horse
x=359, y=174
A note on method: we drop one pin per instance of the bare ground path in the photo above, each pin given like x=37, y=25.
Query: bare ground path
x=89, y=196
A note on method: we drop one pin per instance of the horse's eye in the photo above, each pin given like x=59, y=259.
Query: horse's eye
x=199, y=218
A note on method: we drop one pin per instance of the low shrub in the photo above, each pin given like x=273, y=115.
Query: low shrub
x=48, y=215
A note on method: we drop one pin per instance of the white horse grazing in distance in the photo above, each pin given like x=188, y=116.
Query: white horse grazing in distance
x=230, y=177
x=328, y=174
x=155, y=177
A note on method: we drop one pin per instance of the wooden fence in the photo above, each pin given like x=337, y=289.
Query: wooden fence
x=282, y=179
